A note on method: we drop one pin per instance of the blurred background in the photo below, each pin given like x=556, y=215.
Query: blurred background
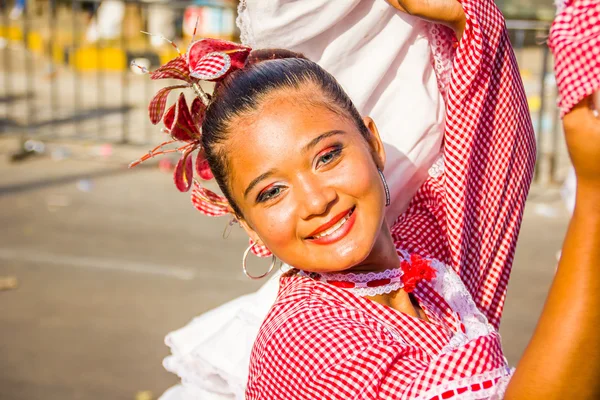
x=98, y=262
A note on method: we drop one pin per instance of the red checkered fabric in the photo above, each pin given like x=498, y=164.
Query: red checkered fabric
x=208, y=202
x=260, y=250
x=469, y=217
x=177, y=68
x=158, y=104
x=575, y=42
x=319, y=341
x=323, y=342
x=212, y=66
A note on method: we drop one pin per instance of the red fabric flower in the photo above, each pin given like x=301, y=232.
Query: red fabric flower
x=416, y=270
x=205, y=60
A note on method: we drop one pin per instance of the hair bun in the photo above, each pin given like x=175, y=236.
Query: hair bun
x=260, y=55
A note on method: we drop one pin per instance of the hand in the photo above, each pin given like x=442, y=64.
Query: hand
x=446, y=12
x=582, y=134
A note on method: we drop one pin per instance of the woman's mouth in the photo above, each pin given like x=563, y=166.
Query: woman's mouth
x=334, y=230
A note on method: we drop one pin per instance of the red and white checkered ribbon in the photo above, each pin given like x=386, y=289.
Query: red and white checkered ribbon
x=177, y=68
x=208, y=202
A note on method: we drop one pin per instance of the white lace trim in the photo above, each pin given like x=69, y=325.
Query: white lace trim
x=437, y=169
x=366, y=277
x=375, y=291
x=244, y=24
x=361, y=280
x=501, y=376
x=450, y=286
x=447, y=283
x=442, y=51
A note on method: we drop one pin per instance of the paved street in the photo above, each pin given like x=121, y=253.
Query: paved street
x=109, y=260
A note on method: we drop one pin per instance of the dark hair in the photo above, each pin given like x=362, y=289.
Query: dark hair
x=240, y=92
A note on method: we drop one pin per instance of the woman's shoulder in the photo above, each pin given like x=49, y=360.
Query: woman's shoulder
x=304, y=304
x=307, y=334
x=310, y=314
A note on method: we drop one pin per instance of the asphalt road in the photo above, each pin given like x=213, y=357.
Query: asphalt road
x=109, y=260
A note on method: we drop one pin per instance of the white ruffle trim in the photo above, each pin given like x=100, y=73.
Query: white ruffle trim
x=450, y=286
x=437, y=169
x=245, y=26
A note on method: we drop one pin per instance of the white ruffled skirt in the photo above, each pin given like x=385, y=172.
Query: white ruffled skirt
x=211, y=354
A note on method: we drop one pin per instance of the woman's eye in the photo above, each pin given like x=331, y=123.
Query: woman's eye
x=329, y=157
x=269, y=193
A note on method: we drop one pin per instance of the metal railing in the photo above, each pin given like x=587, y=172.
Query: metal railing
x=66, y=72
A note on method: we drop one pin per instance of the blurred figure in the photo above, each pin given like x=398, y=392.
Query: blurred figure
x=18, y=9
x=161, y=21
x=108, y=22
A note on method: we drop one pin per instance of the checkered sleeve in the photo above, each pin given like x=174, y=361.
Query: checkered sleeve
x=575, y=42
x=469, y=216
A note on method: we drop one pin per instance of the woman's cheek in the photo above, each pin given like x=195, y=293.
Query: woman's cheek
x=277, y=227
x=356, y=177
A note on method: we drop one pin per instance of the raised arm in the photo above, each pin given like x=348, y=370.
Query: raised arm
x=562, y=360
x=445, y=12
x=469, y=216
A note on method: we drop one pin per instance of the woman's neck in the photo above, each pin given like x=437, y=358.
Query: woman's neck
x=382, y=256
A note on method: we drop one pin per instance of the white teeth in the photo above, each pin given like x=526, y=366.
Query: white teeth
x=334, y=228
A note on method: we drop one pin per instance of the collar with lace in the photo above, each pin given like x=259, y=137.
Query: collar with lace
x=407, y=276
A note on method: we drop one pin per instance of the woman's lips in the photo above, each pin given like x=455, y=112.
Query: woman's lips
x=334, y=230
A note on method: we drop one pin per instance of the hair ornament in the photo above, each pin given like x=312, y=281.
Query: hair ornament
x=208, y=202
x=205, y=60
x=208, y=60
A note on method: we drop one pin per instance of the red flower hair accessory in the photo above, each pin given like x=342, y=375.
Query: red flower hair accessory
x=205, y=60
x=416, y=270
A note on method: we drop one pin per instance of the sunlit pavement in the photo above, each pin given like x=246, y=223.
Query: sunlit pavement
x=108, y=260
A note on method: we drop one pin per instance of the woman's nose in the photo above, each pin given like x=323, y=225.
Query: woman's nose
x=316, y=197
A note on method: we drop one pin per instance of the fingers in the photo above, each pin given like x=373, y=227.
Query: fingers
x=396, y=4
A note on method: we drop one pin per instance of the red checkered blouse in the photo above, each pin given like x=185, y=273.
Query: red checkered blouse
x=321, y=342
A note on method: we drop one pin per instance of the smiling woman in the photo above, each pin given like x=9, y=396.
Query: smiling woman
x=316, y=183
x=366, y=311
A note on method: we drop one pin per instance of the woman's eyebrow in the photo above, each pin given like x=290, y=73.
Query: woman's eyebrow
x=322, y=136
x=256, y=180
x=306, y=148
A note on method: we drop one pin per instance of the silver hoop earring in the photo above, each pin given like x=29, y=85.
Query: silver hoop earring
x=273, y=262
x=385, y=187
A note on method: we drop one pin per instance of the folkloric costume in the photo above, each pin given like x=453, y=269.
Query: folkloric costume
x=321, y=340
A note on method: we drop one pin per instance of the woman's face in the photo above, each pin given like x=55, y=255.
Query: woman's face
x=306, y=181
